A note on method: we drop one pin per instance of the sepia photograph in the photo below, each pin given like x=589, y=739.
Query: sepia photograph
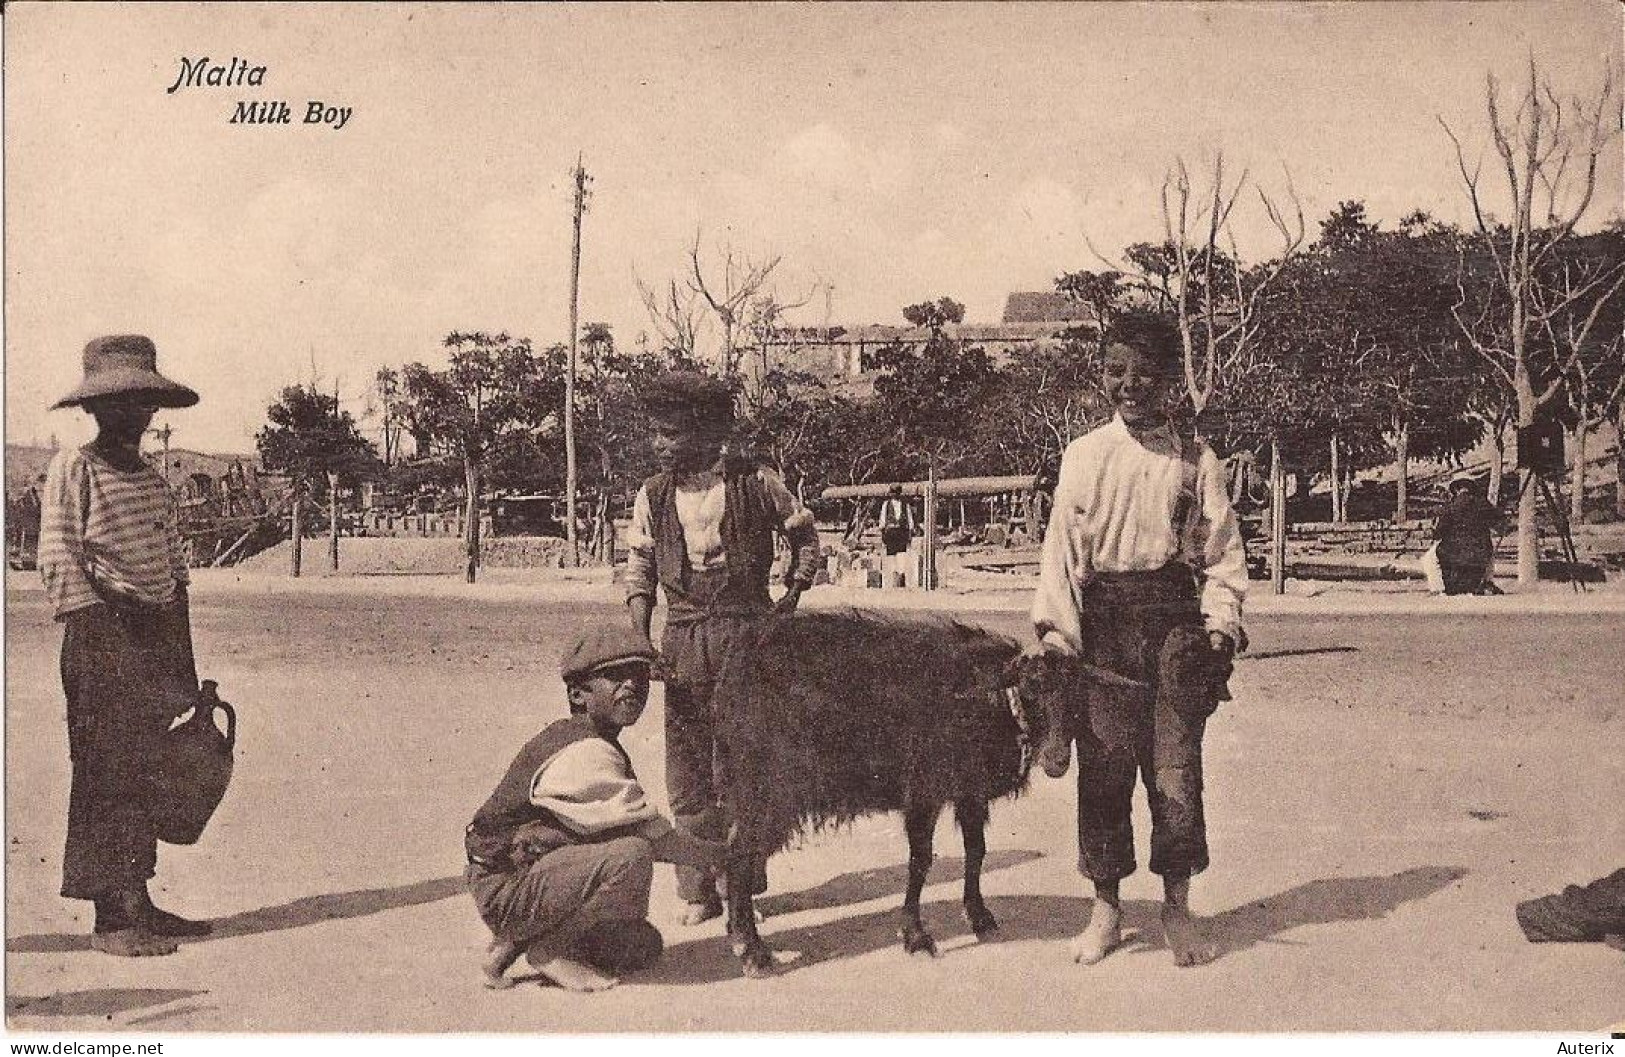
x=1099, y=522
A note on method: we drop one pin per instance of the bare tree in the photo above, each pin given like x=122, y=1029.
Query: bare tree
x=676, y=315
x=735, y=282
x=1588, y=340
x=1215, y=300
x=1548, y=149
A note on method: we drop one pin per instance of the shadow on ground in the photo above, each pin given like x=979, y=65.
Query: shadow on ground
x=310, y=910
x=860, y=886
x=101, y=1002
x=1058, y=918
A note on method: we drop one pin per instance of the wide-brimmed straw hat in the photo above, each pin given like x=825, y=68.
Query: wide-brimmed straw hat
x=126, y=364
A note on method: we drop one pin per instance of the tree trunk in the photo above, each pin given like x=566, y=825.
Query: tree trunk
x=1278, y=521
x=928, y=571
x=1337, y=483
x=1402, y=461
x=297, y=519
x=471, y=527
x=1498, y=460
x=1528, y=530
x=1577, y=475
x=333, y=521
x=1619, y=461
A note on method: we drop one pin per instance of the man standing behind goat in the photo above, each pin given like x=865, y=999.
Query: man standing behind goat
x=1143, y=573
x=702, y=529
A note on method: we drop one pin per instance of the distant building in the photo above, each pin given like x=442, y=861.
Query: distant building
x=1045, y=306
x=843, y=356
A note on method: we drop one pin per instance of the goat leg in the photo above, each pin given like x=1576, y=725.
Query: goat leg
x=972, y=818
x=755, y=956
x=919, y=822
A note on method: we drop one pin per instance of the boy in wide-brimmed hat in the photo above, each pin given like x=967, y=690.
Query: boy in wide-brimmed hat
x=561, y=855
x=115, y=574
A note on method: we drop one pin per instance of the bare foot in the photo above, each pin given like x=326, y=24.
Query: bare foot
x=1100, y=937
x=699, y=913
x=498, y=956
x=575, y=976
x=1184, y=939
x=132, y=943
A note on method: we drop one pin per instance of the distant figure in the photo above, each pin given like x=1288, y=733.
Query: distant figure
x=1464, y=528
x=112, y=558
x=896, y=530
x=561, y=855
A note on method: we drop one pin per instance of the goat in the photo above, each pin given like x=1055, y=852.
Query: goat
x=828, y=716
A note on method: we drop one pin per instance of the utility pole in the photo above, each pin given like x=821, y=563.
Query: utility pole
x=580, y=180
x=163, y=433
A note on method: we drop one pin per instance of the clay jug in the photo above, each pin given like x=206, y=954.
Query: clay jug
x=193, y=769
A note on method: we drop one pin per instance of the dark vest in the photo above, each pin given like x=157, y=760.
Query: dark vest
x=508, y=818
x=748, y=519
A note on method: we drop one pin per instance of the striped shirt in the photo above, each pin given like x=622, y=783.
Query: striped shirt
x=125, y=521
x=1117, y=509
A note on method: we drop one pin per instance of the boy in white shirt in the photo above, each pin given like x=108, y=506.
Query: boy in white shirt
x=561, y=855
x=1143, y=573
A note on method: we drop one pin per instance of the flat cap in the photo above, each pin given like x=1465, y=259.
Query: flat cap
x=603, y=645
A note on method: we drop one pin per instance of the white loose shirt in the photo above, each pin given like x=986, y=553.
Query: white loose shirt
x=700, y=499
x=1116, y=504
x=589, y=788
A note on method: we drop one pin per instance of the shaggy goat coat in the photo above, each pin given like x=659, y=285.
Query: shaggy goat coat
x=830, y=716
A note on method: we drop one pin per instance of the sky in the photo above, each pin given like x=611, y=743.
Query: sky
x=887, y=153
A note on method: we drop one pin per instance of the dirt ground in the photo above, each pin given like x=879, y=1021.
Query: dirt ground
x=1381, y=792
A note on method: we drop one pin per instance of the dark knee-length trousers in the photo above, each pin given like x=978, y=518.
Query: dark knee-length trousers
x=1148, y=627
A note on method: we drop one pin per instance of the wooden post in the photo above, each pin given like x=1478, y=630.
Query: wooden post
x=928, y=574
x=1277, y=520
x=1337, y=483
x=471, y=526
x=297, y=520
x=333, y=520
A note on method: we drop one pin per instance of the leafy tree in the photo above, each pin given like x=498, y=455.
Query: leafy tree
x=316, y=444
x=490, y=409
x=1363, y=341
x=935, y=315
x=930, y=394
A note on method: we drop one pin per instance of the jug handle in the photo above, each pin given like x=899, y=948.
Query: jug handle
x=208, y=691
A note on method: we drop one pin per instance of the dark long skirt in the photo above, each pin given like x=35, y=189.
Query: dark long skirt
x=126, y=675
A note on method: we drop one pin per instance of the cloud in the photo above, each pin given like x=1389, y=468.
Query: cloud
x=830, y=159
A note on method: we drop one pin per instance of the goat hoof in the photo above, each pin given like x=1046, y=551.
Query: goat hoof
x=919, y=942
x=981, y=920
